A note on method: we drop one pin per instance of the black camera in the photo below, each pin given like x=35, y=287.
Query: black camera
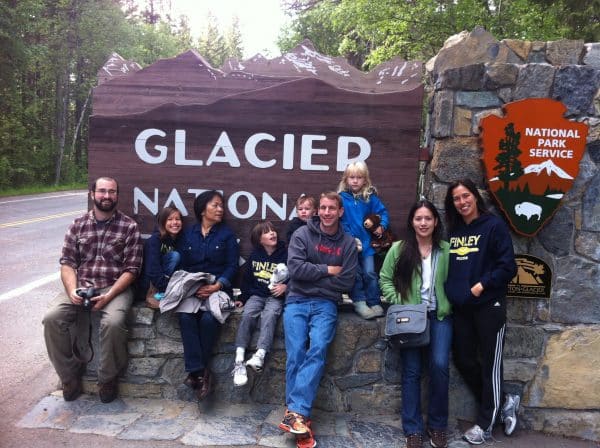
x=86, y=294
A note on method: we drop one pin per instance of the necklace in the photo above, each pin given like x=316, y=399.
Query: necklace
x=425, y=251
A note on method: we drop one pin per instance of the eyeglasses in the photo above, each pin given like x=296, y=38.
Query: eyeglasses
x=105, y=191
x=216, y=205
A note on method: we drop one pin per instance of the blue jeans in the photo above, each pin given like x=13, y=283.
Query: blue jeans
x=438, y=352
x=169, y=263
x=309, y=327
x=198, y=333
x=366, y=285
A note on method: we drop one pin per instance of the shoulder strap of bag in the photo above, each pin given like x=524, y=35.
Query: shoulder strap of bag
x=434, y=261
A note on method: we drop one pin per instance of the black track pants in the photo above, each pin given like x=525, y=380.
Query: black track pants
x=477, y=347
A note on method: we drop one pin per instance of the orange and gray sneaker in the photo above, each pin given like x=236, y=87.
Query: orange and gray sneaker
x=307, y=440
x=294, y=423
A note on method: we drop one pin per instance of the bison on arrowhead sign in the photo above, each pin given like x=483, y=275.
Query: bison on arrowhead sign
x=531, y=158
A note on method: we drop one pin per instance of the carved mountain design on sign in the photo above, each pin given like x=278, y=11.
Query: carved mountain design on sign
x=531, y=157
x=115, y=67
x=391, y=76
x=189, y=79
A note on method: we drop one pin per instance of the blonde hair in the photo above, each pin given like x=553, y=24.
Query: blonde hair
x=357, y=168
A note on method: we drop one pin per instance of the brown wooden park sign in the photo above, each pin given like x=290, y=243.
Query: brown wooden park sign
x=261, y=131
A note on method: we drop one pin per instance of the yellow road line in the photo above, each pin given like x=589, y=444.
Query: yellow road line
x=40, y=219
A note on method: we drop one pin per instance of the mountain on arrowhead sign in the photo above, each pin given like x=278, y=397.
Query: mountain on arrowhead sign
x=531, y=158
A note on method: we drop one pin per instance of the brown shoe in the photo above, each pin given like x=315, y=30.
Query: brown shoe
x=438, y=438
x=192, y=381
x=72, y=389
x=108, y=391
x=204, y=385
x=414, y=441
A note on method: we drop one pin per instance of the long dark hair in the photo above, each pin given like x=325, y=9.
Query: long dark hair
x=409, y=260
x=163, y=215
x=453, y=218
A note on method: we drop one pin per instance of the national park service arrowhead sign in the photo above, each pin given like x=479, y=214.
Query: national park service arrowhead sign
x=531, y=158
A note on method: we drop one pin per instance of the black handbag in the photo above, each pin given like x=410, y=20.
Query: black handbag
x=407, y=326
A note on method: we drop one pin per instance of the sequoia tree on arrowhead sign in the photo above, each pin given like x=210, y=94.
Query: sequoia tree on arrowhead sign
x=531, y=157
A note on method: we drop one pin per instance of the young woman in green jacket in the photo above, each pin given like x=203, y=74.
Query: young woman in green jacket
x=414, y=271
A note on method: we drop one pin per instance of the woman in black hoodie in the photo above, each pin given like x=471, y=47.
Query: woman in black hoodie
x=482, y=263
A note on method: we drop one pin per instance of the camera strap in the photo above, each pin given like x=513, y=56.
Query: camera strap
x=82, y=317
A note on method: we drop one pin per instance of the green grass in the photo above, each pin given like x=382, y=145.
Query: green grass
x=36, y=189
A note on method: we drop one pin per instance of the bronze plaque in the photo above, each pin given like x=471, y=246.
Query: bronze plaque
x=533, y=279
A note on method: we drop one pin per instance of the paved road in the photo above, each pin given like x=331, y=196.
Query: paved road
x=31, y=235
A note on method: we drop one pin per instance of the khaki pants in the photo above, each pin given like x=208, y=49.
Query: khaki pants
x=59, y=332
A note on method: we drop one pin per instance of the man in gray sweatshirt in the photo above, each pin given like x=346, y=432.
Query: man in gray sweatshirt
x=322, y=261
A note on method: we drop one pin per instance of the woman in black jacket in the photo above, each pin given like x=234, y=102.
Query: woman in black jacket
x=482, y=263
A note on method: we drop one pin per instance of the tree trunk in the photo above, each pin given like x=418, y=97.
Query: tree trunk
x=77, y=150
x=62, y=101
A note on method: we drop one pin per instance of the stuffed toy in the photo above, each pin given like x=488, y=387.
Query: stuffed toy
x=379, y=243
x=280, y=275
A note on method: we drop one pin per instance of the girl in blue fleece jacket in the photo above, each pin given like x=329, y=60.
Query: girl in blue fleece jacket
x=482, y=263
x=360, y=199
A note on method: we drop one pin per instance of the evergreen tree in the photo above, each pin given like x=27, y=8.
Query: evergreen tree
x=509, y=166
x=211, y=43
x=233, y=40
x=183, y=33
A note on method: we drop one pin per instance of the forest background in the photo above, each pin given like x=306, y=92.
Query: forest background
x=51, y=51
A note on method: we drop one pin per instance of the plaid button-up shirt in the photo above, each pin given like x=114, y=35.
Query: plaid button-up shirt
x=101, y=252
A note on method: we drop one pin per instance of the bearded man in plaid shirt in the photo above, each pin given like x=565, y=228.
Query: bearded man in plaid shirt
x=102, y=249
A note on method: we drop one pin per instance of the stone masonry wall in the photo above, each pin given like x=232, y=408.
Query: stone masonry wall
x=362, y=375
x=552, y=354
x=552, y=351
